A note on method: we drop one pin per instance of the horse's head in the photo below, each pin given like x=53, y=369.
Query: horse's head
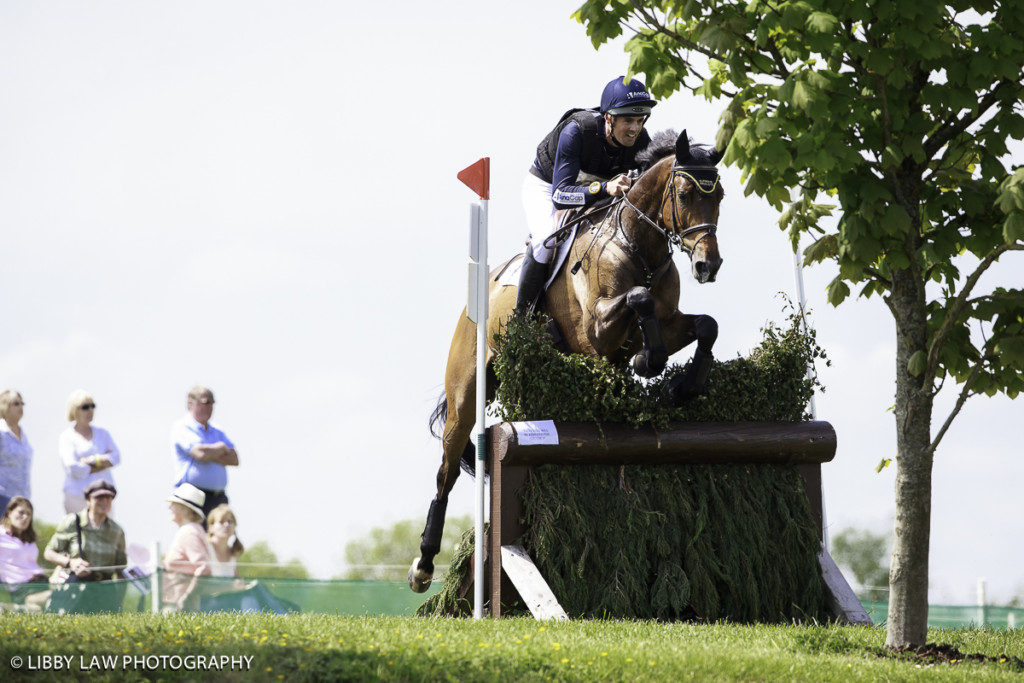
x=692, y=196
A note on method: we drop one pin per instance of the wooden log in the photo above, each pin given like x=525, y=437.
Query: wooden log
x=780, y=443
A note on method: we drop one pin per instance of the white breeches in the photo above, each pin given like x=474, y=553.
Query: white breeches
x=540, y=215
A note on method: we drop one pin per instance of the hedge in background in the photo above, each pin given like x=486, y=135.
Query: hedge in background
x=669, y=542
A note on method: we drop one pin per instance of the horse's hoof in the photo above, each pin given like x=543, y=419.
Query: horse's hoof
x=645, y=366
x=419, y=580
x=679, y=392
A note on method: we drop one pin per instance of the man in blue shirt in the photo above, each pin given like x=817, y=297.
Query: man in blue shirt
x=583, y=159
x=202, y=449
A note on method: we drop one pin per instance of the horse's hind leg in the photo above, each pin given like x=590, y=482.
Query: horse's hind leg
x=460, y=397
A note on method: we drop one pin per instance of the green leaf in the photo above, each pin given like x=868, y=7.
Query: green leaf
x=1013, y=228
x=801, y=95
x=1011, y=351
x=837, y=291
x=917, y=363
x=822, y=22
x=895, y=221
x=823, y=248
x=882, y=464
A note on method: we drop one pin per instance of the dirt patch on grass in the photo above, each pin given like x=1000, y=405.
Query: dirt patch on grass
x=939, y=653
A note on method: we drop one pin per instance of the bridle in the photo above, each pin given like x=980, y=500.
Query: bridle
x=677, y=235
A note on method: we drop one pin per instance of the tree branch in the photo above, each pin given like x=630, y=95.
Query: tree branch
x=952, y=126
x=965, y=393
x=960, y=303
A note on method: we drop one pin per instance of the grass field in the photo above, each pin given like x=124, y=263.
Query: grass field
x=396, y=648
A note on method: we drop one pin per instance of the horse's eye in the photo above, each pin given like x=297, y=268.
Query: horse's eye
x=683, y=197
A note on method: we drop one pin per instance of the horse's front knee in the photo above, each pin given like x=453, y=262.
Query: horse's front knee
x=641, y=302
x=706, y=329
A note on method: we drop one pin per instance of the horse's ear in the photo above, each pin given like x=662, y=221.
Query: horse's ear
x=714, y=157
x=682, y=148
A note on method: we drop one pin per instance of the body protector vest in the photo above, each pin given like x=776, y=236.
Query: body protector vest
x=597, y=157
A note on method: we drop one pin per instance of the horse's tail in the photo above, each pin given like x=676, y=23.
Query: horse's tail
x=438, y=416
x=436, y=423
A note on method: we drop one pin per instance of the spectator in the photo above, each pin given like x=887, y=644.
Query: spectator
x=188, y=558
x=15, y=451
x=19, y=555
x=89, y=544
x=86, y=451
x=225, y=548
x=203, y=450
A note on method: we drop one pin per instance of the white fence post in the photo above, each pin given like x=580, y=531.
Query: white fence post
x=478, y=178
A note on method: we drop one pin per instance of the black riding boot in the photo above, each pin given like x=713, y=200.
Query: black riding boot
x=532, y=277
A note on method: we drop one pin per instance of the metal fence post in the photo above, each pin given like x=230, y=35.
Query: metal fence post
x=154, y=577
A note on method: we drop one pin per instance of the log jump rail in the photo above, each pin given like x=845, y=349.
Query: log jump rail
x=513, y=448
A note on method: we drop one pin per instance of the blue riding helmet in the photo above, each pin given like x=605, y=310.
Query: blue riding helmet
x=626, y=99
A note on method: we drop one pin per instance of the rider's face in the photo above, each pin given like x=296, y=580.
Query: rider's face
x=624, y=130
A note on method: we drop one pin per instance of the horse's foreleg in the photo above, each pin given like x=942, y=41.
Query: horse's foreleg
x=611, y=323
x=680, y=330
x=651, y=360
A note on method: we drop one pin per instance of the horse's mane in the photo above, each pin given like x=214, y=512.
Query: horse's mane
x=663, y=144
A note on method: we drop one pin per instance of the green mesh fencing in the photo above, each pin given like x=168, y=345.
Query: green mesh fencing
x=280, y=596
x=350, y=598
x=957, y=616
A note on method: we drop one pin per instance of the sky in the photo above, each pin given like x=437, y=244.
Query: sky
x=261, y=197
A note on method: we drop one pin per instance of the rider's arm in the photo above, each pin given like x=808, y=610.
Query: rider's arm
x=565, y=194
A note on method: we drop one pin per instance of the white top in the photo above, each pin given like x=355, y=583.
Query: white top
x=19, y=561
x=218, y=568
x=75, y=451
x=15, y=463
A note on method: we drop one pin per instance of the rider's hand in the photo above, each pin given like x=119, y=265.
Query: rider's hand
x=618, y=185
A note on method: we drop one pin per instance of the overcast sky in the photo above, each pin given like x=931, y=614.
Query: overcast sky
x=261, y=197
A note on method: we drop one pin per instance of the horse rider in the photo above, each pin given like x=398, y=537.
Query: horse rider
x=601, y=143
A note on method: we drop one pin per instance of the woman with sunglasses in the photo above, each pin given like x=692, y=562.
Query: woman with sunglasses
x=15, y=451
x=86, y=451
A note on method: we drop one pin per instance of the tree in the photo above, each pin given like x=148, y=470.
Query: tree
x=863, y=553
x=383, y=554
x=263, y=564
x=900, y=110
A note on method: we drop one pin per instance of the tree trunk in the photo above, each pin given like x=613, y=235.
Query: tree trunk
x=908, y=574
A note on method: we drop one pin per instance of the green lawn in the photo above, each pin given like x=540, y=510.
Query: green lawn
x=401, y=648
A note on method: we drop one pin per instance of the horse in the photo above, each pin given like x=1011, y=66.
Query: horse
x=621, y=301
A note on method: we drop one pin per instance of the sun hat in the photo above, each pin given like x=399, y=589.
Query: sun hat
x=189, y=496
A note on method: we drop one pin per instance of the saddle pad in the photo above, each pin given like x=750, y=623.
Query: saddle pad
x=508, y=276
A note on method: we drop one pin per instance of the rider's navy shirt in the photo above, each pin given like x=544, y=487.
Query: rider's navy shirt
x=564, y=192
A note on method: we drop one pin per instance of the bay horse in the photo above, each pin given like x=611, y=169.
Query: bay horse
x=623, y=296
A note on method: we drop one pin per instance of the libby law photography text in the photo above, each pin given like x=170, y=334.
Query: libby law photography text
x=132, y=663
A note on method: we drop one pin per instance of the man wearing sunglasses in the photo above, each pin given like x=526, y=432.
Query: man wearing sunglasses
x=202, y=449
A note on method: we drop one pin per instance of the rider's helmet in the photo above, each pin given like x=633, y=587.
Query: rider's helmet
x=626, y=98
